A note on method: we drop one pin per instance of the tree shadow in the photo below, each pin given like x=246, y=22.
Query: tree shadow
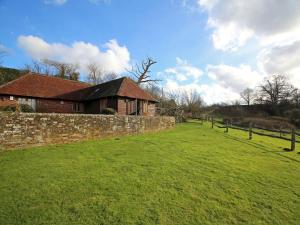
x=261, y=147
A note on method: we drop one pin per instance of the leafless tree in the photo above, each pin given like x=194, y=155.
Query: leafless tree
x=64, y=70
x=96, y=75
x=142, y=72
x=276, y=90
x=192, y=101
x=247, y=96
x=40, y=68
x=296, y=97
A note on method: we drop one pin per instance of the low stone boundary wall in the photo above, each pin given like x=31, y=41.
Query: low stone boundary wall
x=26, y=129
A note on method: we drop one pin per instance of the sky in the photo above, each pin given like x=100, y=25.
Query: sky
x=215, y=47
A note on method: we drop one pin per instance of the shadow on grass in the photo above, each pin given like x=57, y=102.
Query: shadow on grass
x=259, y=146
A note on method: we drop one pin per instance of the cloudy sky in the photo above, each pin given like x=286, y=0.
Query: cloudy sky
x=217, y=47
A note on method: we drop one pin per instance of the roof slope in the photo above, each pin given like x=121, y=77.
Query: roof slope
x=35, y=85
x=123, y=87
x=41, y=86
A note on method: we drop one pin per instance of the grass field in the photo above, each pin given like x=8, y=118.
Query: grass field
x=189, y=175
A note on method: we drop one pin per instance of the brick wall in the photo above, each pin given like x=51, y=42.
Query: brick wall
x=122, y=110
x=49, y=105
x=146, y=108
x=26, y=129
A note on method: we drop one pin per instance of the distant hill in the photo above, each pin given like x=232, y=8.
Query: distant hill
x=9, y=74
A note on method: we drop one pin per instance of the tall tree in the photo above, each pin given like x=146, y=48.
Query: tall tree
x=142, y=72
x=40, y=68
x=275, y=90
x=192, y=102
x=96, y=75
x=64, y=70
x=247, y=96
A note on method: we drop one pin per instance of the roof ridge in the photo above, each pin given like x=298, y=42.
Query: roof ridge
x=55, y=77
x=124, y=78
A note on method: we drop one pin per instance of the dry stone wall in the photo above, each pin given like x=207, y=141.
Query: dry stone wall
x=18, y=130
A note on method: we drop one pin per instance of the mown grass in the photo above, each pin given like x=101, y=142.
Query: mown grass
x=189, y=175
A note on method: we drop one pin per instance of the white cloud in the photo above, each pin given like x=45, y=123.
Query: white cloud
x=235, y=21
x=55, y=2
x=234, y=78
x=184, y=71
x=210, y=93
x=223, y=83
x=282, y=59
x=114, y=58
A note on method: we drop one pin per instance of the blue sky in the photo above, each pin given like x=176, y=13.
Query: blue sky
x=202, y=45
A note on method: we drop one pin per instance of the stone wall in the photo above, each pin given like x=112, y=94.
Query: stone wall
x=26, y=129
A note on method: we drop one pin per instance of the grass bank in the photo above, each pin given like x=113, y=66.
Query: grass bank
x=189, y=175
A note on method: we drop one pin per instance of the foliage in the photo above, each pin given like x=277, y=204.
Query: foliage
x=294, y=116
x=190, y=175
x=26, y=108
x=8, y=108
x=49, y=67
x=109, y=111
x=9, y=74
x=266, y=123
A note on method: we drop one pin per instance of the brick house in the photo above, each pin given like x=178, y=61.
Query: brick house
x=56, y=95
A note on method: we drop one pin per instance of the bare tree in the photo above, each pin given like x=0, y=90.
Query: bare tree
x=247, y=96
x=192, y=102
x=276, y=90
x=96, y=75
x=40, y=68
x=296, y=97
x=142, y=72
x=64, y=70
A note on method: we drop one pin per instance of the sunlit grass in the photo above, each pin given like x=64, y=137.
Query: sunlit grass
x=189, y=175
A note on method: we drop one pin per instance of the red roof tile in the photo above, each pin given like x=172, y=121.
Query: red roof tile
x=34, y=85
x=130, y=89
x=123, y=87
x=41, y=86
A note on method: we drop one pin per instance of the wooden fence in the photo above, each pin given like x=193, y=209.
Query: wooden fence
x=255, y=130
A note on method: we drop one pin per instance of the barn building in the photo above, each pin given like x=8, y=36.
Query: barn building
x=55, y=95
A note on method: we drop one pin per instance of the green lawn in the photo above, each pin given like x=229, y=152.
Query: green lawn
x=189, y=175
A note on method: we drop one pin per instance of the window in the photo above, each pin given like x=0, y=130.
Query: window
x=61, y=102
x=11, y=98
x=76, y=107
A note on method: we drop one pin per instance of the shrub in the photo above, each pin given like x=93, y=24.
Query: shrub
x=294, y=116
x=266, y=123
x=26, y=108
x=108, y=111
x=8, y=108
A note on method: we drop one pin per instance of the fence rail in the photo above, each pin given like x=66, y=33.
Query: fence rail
x=227, y=126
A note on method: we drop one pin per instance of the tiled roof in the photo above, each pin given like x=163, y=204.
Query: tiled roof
x=34, y=85
x=41, y=86
x=123, y=87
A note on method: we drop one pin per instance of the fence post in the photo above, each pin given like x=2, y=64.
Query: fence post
x=293, y=139
x=226, y=131
x=250, y=131
x=212, y=122
x=280, y=131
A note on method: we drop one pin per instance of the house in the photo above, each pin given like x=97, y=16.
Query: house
x=56, y=95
